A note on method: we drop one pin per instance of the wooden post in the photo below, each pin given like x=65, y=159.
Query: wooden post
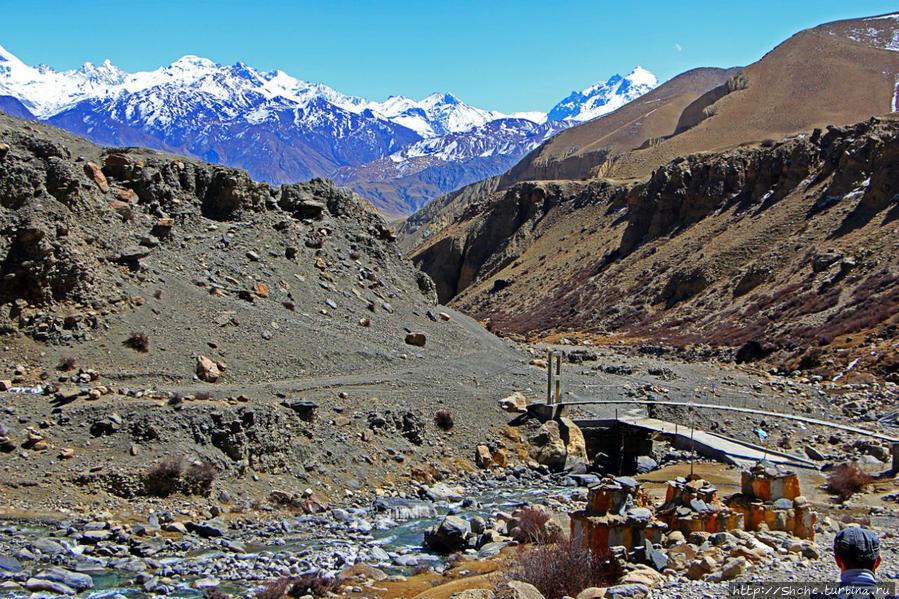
x=559, y=377
x=894, y=449
x=549, y=378
x=692, y=442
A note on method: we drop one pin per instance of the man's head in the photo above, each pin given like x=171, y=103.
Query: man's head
x=856, y=547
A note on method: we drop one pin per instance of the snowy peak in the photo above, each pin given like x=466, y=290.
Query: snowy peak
x=106, y=73
x=604, y=96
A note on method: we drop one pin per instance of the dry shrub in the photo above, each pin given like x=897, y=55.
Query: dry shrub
x=215, y=594
x=443, y=419
x=164, y=477
x=170, y=475
x=314, y=584
x=274, y=589
x=532, y=523
x=563, y=568
x=66, y=364
x=198, y=477
x=138, y=341
x=846, y=478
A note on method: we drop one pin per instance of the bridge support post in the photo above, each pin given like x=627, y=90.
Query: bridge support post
x=549, y=378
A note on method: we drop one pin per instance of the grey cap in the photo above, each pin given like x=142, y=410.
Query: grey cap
x=857, y=544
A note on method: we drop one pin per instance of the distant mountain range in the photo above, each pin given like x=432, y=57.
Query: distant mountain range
x=399, y=153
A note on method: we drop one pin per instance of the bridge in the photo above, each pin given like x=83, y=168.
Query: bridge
x=713, y=445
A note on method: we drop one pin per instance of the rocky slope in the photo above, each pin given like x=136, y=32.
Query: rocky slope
x=785, y=249
x=160, y=306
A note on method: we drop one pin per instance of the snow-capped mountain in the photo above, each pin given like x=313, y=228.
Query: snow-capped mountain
x=281, y=129
x=604, y=97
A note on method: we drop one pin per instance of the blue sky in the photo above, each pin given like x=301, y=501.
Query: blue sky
x=501, y=55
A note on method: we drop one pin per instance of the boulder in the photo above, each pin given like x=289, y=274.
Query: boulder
x=646, y=464
x=523, y=590
x=416, y=339
x=47, y=547
x=515, y=403
x=73, y=580
x=642, y=575
x=731, y=568
x=700, y=567
x=208, y=529
x=628, y=591
x=444, y=492
x=449, y=535
x=547, y=446
x=36, y=585
x=9, y=564
x=483, y=457
x=207, y=370
x=575, y=444
x=93, y=171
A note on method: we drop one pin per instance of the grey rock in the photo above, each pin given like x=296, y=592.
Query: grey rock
x=628, y=591
x=448, y=535
x=9, y=564
x=646, y=464
x=210, y=528
x=658, y=559
x=39, y=584
x=74, y=580
x=47, y=547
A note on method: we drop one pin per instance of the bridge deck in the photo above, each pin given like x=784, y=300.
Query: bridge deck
x=715, y=446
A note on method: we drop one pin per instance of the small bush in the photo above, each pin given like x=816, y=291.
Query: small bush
x=139, y=342
x=443, y=419
x=198, y=478
x=312, y=584
x=274, y=589
x=846, y=479
x=563, y=568
x=215, y=594
x=164, y=477
x=532, y=524
x=66, y=364
x=170, y=475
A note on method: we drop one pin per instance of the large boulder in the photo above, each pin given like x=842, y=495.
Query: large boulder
x=74, y=580
x=575, y=444
x=548, y=447
x=207, y=370
x=523, y=590
x=449, y=535
x=515, y=403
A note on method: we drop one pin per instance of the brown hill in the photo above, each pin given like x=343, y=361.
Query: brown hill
x=829, y=75
x=576, y=152
x=787, y=247
x=834, y=74
x=673, y=237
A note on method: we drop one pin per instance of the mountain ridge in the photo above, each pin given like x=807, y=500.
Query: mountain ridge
x=299, y=129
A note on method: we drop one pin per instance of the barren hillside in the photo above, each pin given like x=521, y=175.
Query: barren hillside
x=787, y=247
